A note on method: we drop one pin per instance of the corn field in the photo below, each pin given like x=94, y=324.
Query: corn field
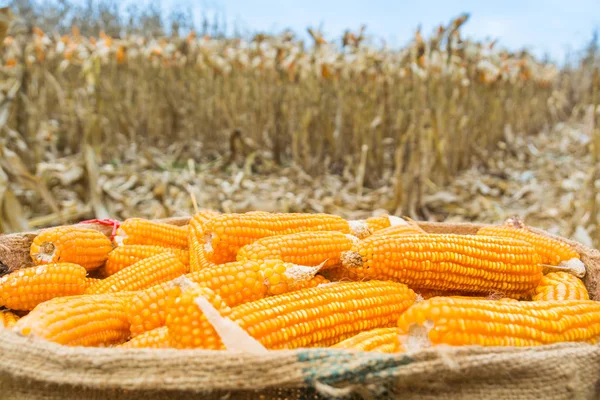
x=405, y=119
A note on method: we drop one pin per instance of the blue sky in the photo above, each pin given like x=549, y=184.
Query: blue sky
x=544, y=26
x=552, y=26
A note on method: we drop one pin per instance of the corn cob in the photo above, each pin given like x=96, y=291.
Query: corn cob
x=225, y=234
x=98, y=320
x=304, y=248
x=71, y=244
x=473, y=264
x=187, y=325
x=323, y=316
x=409, y=229
x=381, y=340
x=312, y=283
x=157, y=338
x=26, y=288
x=8, y=319
x=142, y=231
x=124, y=256
x=198, y=260
x=204, y=215
x=236, y=283
x=141, y=275
x=560, y=286
x=146, y=310
x=552, y=252
x=458, y=322
x=91, y=281
x=377, y=223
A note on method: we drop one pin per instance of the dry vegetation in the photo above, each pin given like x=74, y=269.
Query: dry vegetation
x=115, y=123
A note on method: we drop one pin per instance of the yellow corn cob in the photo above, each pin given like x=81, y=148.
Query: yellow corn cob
x=381, y=340
x=146, y=310
x=196, y=243
x=323, y=316
x=71, y=244
x=126, y=255
x=313, y=283
x=26, y=288
x=225, y=234
x=377, y=223
x=442, y=320
x=157, y=338
x=560, y=286
x=204, y=215
x=8, y=319
x=187, y=325
x=409, y=229
x=304, y=248
x=473, y=264
x=315, y=317
x=235, y=283
x=98, y=320
x=141, y=275
x=552, y=252
x=142, y=231
x=91, y=281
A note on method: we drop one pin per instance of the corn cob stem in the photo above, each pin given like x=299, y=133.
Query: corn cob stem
x=304, y=248
x=473, y=264
x=560, y=286
x=71, y=244
x=456, y=321
x=26, y=288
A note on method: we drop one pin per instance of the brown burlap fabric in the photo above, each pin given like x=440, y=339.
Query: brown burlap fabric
x=34, y=369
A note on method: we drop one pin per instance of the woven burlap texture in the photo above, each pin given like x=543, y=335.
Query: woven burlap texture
x=34, y=369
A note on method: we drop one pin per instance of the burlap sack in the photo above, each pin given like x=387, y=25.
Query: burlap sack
x=35, y=369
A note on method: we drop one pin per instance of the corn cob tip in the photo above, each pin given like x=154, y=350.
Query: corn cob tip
x=417, y=337
x=574, y=266
x=351, y=259
x=46, y=252
x=231, y=334
x=515, y=222
x=183, y=282
x=355, y=240
x=394, y=221
x=120, y=237
x=359, y=228
x=301, y=273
